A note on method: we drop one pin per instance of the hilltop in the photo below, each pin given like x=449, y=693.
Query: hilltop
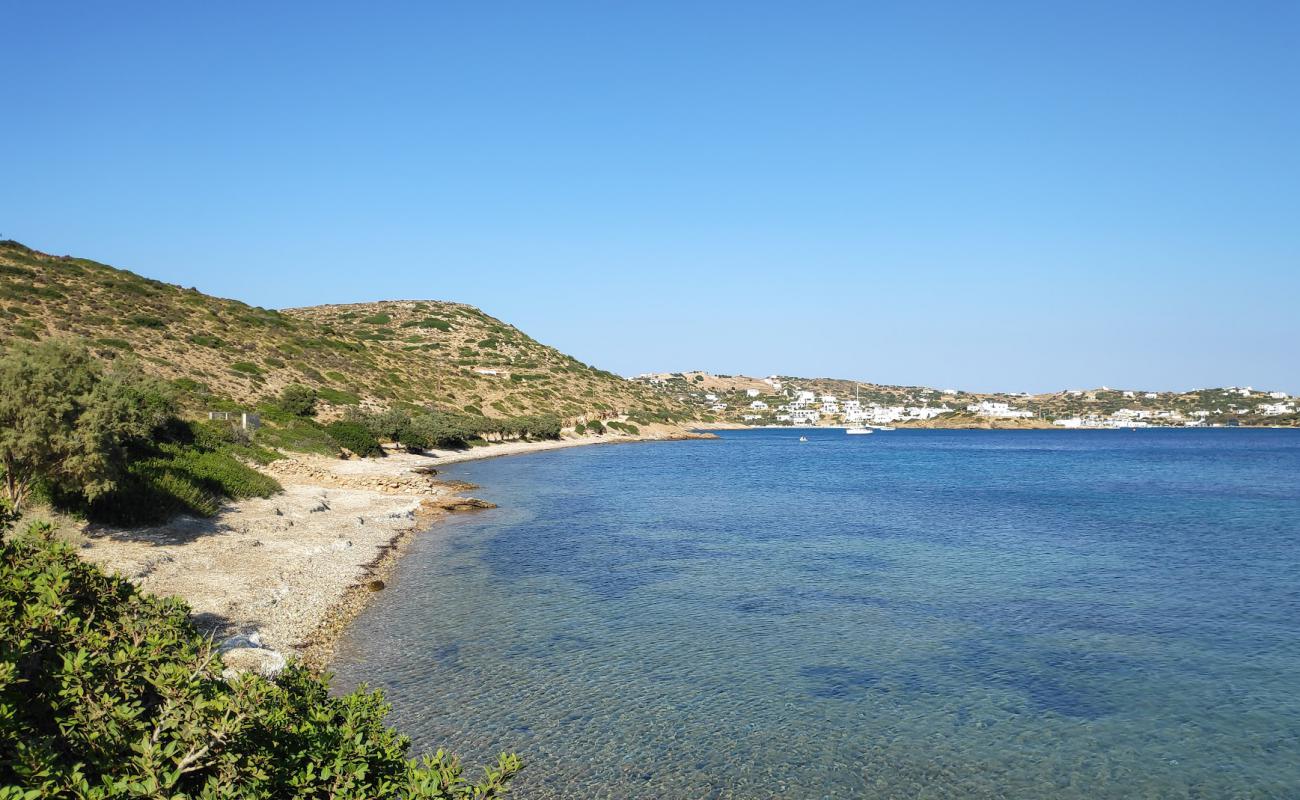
x=427, y=353
x=785, y=399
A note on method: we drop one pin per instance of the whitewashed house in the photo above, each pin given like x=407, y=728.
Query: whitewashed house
x=758, y=405
x=927, y=412
x=998, y=410
x=805, y=416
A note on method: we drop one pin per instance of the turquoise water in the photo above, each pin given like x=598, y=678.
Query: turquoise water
x=919, y=614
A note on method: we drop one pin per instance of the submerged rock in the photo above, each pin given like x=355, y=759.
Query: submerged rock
x=463, y=504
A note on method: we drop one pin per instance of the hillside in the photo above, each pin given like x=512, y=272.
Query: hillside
x=774, y=400
x=415, y=353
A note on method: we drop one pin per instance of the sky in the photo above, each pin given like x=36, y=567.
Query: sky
x=985, y=196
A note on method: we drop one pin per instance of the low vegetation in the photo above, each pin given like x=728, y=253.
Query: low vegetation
x=106, y=692
x=108, y=443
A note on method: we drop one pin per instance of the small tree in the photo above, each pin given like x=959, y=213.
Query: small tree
x=298, y=400
x=65, y=421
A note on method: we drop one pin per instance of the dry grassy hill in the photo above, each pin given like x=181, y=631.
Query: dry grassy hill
x=447, y=355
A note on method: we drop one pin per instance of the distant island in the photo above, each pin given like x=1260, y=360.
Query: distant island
x=793, y=401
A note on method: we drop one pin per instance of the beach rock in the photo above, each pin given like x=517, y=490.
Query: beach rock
x=376, y=586
x=261, y=660
x=244, y=652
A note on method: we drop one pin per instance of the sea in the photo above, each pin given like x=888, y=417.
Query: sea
x=910, y=614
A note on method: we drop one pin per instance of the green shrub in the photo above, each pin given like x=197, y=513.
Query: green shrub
x=296, y=434
x=246, y=367
x=355, y=437
x=106, y=692
x=222, y=473
x=204, y=340
x=298, y=400
x=145, y=321
x=429, y=322
x=338, y=397
x=117, y=344
x=177, y=479
x=377, y=319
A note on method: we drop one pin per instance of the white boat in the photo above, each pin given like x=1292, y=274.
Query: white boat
x=858, y=430
x=803, y=438
x=884, y=427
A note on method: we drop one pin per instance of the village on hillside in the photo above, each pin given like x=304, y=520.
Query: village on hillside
x=784, y=400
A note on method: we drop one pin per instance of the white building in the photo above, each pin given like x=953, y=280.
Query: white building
x=804, y=416
x=751, y=393
x=1275, y=409
x=803, y=398
x=927, y=412
x=1278, y=395
x=712, y=398
x=989, y=408
x=758, y=405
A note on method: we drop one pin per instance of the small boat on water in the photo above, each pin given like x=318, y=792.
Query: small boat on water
x=803, y=438
x=859, y=429
x=884, y=427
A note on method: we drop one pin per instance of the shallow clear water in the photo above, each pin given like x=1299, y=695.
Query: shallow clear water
x=929, y=614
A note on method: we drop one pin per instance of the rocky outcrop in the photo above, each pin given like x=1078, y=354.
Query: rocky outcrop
x=297, y=471
x=457, y=504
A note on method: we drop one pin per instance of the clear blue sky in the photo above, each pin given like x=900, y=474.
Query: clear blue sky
x=1016, y=196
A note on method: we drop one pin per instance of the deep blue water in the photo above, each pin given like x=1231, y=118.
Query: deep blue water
x=929, y=614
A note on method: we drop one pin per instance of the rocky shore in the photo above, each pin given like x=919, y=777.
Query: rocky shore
x=281, y=577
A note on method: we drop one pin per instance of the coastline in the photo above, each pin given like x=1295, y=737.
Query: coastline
x=288, y=573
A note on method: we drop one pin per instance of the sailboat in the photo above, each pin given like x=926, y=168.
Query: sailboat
x=858, y=430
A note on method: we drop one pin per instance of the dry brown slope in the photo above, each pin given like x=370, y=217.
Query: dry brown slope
x=398, y=352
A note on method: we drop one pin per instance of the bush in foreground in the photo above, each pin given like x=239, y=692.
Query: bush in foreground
x=106, y=692
x=67, y=423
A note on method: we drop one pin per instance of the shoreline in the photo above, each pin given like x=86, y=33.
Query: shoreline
x=290, y=572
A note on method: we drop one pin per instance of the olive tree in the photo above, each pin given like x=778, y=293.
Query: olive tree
x=298, y=400
x=66, y=420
